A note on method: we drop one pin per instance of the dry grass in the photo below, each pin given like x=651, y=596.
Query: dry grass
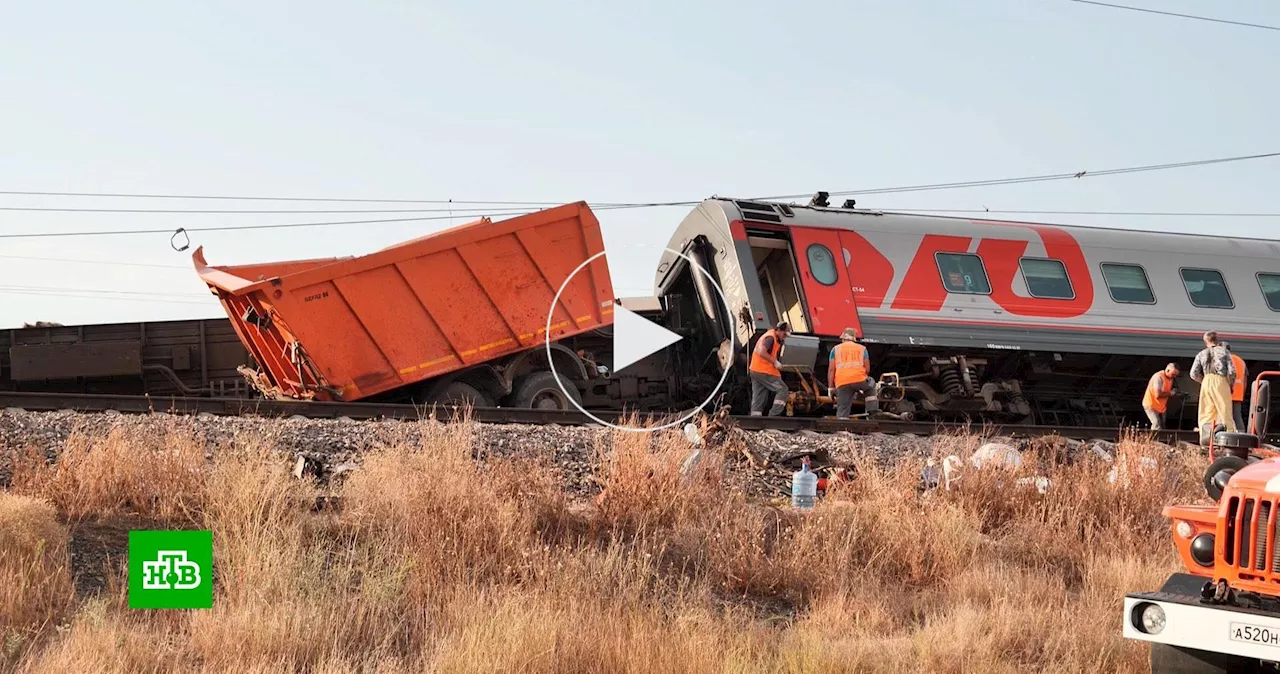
x=438, y=563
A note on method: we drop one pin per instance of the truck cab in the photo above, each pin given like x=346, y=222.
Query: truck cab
x=1223, y=613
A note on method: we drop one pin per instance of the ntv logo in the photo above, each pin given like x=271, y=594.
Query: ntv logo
x=171, y=571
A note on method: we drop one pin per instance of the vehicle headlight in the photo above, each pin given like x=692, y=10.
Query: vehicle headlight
x=1152, y=618
x=1202, y=549
x=1184, y=529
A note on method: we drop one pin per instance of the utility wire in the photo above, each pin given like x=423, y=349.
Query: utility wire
x=42, y=209
x=884, y=190
x=100, y=291
x=106, y=262
x=116, y=298
x=1181, y=16
x=1166, y=214
x=110, y=299
x=1031, y=179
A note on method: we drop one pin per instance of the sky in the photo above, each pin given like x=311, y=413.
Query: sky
x=603, y=102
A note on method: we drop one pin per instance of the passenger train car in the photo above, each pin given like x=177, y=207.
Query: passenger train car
x=1034, y=322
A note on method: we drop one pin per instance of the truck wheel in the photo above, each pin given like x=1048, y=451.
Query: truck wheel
x=1219, y=473
x=460, y=394
x=539, y=391
x=1167, y=659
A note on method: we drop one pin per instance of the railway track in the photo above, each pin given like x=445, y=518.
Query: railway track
x=367, y=411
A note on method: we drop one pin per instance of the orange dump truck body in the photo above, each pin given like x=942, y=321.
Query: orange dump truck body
x=350, y=328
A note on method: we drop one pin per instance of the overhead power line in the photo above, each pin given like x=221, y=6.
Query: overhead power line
x=602, y=207
x=197, y=211
x=1164, y=214
x=1032, y=179
x=120, y=263
x=146, y=293
x=1175, y=14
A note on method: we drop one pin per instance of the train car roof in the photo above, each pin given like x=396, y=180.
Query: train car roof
x=837, y=217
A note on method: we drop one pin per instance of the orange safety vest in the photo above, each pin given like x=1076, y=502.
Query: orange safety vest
x=851, y=363
x=1237, y=389
x=1159, y=382
x=759, y=364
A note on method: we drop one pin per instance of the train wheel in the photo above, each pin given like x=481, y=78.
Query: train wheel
x=1167, y=659
x=540, y=391
x=460, y=394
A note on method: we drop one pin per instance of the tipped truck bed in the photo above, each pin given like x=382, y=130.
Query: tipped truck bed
x=354, y=327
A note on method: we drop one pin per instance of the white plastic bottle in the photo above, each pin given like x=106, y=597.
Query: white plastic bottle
x=804, y=487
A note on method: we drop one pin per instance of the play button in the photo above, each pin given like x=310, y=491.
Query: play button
x=635, y=337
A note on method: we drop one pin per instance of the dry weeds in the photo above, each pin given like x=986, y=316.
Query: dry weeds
x=435, y=562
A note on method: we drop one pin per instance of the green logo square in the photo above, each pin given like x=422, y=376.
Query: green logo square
x=170, y=569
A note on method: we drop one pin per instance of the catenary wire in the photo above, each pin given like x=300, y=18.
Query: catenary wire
x=889, y=209
x=1030, y=179
x=610, y=205
x=119, y=263
x=1175, y=14
x=1166, y=214
x=146, y=293
x=113, y=298
x=886, y=190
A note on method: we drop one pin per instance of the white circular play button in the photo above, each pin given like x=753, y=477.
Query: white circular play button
x=634, y=339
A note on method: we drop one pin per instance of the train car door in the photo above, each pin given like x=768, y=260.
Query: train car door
x=827, y=288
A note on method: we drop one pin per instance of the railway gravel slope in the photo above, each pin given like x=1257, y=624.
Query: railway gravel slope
x=575, y=450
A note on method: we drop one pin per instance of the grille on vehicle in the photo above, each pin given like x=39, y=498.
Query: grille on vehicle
x=1252, y=532
x=758, y=212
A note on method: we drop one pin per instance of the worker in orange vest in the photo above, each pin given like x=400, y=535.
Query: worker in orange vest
x=849, y=372
x=1155, y=402
x=765, y=375
x=1237, y=388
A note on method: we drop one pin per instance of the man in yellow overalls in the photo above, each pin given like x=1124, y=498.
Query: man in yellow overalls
x=1215, y=372
x=848, y=372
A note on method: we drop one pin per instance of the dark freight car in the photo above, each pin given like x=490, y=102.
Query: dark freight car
x=190, y=358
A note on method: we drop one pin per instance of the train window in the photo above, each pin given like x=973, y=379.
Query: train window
x=1270, y=284
x=1206, y=288
x=1127, y=283
x=822, y=264
x=963, y=273
x=1046, y=278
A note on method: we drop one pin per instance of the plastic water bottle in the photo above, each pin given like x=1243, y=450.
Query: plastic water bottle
x=804, y=487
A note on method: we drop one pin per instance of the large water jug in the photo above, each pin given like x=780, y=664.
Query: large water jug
x=804, y=487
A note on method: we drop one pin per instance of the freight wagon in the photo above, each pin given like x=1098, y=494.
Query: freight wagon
x=172, y=358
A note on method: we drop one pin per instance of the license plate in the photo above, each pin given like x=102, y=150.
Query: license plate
x=1252, y=634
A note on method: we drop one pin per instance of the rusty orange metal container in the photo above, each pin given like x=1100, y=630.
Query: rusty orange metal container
x=350, y=328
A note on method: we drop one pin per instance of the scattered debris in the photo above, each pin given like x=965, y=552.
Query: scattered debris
x=996, y=453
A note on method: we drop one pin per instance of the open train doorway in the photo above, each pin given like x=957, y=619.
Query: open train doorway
x=780, y=280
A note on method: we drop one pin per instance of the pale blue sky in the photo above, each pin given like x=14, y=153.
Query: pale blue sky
x=578, y=100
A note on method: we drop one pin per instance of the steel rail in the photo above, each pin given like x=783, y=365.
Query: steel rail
x=82, y=402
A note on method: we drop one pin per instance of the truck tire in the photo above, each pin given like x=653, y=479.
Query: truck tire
x=540, y=391
x=1167, y=659
x=1226, y=465
x=459, y=394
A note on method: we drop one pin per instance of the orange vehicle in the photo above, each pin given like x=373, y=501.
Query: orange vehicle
x=1223, y=614
x=455, y=316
